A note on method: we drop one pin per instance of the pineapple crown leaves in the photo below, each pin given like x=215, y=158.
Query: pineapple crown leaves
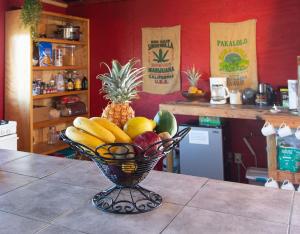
x=121, y=82
x=193, y=75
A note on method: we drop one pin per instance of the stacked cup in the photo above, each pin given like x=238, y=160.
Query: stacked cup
x=283, y=131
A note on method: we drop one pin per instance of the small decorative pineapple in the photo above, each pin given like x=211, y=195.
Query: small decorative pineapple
x=193, y=77
x=120, y=87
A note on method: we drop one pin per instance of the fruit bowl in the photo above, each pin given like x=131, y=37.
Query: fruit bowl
x=126, y=165
x=194, y=96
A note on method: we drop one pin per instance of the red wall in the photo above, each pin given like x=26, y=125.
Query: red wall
x=116, y=33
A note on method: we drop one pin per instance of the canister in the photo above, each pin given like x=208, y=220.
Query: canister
x=293, y=96
x=58, y=57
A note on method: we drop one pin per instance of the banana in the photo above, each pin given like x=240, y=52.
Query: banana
x=120, y=135
x=94, y=129
x=86, y=139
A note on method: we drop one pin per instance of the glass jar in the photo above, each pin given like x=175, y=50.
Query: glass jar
x=52, y=136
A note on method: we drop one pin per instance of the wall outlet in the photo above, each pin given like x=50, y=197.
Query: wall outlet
x=237, y=158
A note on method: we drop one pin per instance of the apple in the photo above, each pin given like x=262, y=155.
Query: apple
x=144, y=141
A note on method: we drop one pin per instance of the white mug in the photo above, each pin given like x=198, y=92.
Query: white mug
x=297, y=133
x=287, y=185
x=268, y=129
x=271, y=183
x=284, y=130
x=235, y=97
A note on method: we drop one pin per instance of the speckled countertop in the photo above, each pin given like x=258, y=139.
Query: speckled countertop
x=42, y=194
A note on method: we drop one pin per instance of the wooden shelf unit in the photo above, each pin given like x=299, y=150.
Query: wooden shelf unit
x=20, y=73
x=243, y=112
x=53, y=122
x=45, y=148
x=56, y=68
x=59, y=94
x=60, y=41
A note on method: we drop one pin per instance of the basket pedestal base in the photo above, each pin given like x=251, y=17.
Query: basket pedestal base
x=123, y=200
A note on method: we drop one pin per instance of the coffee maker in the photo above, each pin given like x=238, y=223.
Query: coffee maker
x=218, y=89
x=264, y=96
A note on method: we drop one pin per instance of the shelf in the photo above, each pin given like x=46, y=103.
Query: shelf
x=59, y=94
x=53, y=122
x=207, y=109
x=51, y=68
x=45, y=148
x=60, y=41
x=285, y=175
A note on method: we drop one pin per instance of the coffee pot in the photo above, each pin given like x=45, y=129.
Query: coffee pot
x=264, y=96
x=218, y=89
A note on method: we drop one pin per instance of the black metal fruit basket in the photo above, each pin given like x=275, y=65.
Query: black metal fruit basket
x=126, y=165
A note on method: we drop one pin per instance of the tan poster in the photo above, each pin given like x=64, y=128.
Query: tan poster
x=161, y=57
x=233, y=53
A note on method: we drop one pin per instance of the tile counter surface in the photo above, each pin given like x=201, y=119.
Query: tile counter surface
x=40, y=194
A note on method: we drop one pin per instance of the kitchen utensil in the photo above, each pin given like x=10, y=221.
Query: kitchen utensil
x=287, y=185
x=126, y=173
x=264, y=96
x=284, y=130
x=271, y=183
x=219, y=90
x=248, y=96
x=293, y=96
x=274, y=109
x=235, y=97
x=268, y=129
x=68, y=32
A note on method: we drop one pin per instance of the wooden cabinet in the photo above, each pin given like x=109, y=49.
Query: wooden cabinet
x=20, y=74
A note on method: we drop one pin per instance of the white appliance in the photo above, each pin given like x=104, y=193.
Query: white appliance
x=8, y=135
x=218, y=89
x=201, y=152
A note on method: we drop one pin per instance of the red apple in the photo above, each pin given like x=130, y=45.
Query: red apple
x=145, y=140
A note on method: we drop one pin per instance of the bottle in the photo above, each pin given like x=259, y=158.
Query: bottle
x=78, y=83
x=70, y=85
x=52, y=136
x=84, y=83
x=60, y=83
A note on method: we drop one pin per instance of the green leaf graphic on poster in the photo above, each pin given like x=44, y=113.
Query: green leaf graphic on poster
x=160, y=57
x=232, y=60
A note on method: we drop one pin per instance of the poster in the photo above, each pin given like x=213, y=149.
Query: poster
x=233, y=53
x=161, y=58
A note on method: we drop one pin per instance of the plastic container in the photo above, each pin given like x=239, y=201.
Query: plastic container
x=293, y=96
x=257, y=176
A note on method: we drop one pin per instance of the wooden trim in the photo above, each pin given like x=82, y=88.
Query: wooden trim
x=53, y=122
x=60, y=41
x=51, y=68
x=206, y=109
x=55, y=3
x=59, y=94
x=70, y=17
x=45, y=148
x=271, y=152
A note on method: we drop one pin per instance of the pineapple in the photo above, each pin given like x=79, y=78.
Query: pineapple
x=120, y=87
x=193, y=77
